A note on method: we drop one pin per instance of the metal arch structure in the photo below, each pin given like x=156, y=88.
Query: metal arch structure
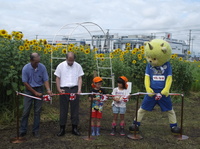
x=68, y=31
x=84, y=25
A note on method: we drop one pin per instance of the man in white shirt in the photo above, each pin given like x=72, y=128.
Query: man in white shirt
x=69, y=80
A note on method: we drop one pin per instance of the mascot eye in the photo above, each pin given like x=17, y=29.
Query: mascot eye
x=154, y=59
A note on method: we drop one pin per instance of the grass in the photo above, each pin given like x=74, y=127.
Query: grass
x=154, y=129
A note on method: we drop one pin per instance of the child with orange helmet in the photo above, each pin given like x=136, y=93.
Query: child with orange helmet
x=97, y=105
x=119, y=104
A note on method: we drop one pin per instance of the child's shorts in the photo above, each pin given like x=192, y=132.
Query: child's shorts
x=96, y=114
x=118, y=110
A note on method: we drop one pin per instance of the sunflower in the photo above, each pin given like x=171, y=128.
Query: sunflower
x=40, y=40
x=144, y=61
x=133, y=52
x=39, y=48
x=126, y=51
x=13, y=33
x=27, y=48
x=45, y=51
x=59, y=44
x=134, y=61
x=102, y=59
x=64, y=51
x=9, y=37
x=31, y=42
x=21, y=35
x=26, y=44
x=76, y=48
x=50, y=51
x=95, y=49
x=188, y=52
x=96, y=56
x=136, y=49
x=142, y=47
x=6, y=36
x=121, y=56
x=87, y=51
x=44, y=41
x=101, y=55
x=111, y=55
x=121, y=59
x=172, y=56
x=70, y=49
x=128, y=44
x=21, y=48
x=3, y=32
x=17, y=37
x=82, y=49
x=48, y=46
x=180, y=59
x=71, y=45
x=139, y=56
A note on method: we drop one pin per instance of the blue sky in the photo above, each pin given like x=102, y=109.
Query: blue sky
x=45, y=18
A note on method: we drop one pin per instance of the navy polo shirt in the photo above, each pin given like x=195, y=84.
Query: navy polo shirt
x=34, y=77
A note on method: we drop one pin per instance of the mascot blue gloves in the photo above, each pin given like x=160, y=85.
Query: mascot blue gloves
x=158, y=80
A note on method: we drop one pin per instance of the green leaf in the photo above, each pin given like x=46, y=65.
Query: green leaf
x=9, y=92
x=14, y=85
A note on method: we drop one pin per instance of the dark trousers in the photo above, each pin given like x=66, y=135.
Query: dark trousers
x=74, y=106
x=27, y=108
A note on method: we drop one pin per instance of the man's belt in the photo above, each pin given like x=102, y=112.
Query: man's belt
x=73, y=87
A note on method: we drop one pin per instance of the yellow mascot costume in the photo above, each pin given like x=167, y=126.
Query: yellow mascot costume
x=158, y=80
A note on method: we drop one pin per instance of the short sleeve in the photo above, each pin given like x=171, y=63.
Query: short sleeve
x=80, y=71
x=103, y=91
x=169, y=69
x=24, y=75
x=57, y=71
x=45, y=74
x=114, y=91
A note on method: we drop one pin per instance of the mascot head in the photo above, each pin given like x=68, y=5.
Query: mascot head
x=157, y=52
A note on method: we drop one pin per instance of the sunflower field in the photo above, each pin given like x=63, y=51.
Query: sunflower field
x=15, y=51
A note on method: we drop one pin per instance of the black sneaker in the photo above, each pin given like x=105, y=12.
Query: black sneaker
x=134, y=128
x=175, y=130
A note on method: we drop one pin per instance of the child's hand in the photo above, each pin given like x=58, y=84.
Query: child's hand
x=97, y=98
x=117, y=99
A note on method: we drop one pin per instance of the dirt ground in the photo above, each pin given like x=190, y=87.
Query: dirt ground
x=154, y=130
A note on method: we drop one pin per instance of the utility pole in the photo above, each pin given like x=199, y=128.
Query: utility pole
x=189, y=38
x=107, y=42
x=36, y=37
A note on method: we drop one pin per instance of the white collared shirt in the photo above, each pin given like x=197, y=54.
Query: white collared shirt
x=68, y=74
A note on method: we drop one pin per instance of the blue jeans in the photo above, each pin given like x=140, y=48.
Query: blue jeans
x=118, y=110
x=27, y=108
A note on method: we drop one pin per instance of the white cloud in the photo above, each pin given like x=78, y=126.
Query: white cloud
x=35, y=17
